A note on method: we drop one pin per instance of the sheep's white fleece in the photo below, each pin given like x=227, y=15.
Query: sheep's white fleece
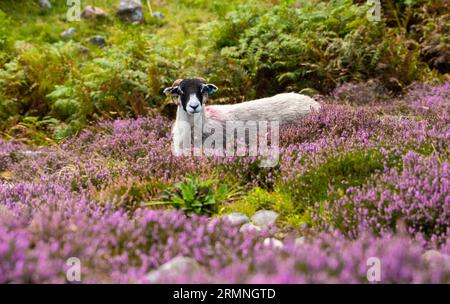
x=284, y=108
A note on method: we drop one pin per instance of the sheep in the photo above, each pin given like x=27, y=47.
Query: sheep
x=194, y=118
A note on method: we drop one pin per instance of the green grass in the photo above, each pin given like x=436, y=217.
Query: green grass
x=338, y=172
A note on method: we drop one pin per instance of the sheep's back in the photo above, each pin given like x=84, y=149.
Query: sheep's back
x=284, y=108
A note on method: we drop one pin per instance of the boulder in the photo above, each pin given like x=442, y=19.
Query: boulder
x=131, y=11
x=263, y=218
x=92, y=12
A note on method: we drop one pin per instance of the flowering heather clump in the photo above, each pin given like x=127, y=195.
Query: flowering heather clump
x=7, y=153
x=419, y=195
x=362, y=93
x=333, y=121
x=330, y=258
x=111, y=246
x=38, y=237
x=350, y=175
x=432, y=102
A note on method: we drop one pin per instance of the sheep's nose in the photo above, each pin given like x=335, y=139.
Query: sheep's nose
x=194, y=107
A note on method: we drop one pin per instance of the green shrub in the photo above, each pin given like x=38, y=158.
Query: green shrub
x=113, y=84
x=27, y=79
x=4, y=37
x=315, y=45
x=194, y=196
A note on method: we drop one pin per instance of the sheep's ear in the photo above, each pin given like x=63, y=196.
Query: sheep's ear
x=209, y=88
x=172, y=90
x=174, y=93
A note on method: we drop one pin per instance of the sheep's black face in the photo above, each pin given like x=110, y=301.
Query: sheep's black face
x=192, y=94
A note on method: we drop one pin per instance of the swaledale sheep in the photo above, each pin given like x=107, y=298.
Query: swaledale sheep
x=191, y=96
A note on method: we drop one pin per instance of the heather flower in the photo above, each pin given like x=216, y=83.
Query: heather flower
x=356, y=174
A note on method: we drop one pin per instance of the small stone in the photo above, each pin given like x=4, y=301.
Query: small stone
x=173, y=269
x=30, y=153
x=83, y=49
x=249, y=227
x=67, y=34
x=92, y=12
x=432, y=254
x=264, y=218
x=158, y=15
x=97, y=40
x=273, y=242
x=6, y=215
x=237, y=218
x=45, y=4
x=434, y=257
x=130, y=10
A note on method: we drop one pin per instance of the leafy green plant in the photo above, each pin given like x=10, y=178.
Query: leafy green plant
x=4, y=27
x=195, y=196
x=315, y=45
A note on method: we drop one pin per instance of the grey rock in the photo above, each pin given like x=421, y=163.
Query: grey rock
x=97, y=40
x=130, y=10
x=264, y=218
x=178, y=266
x=249, y=227
x=45, y=4
x=237, y=218
x=67, y=34
x=273, y=242
x=92, y=12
